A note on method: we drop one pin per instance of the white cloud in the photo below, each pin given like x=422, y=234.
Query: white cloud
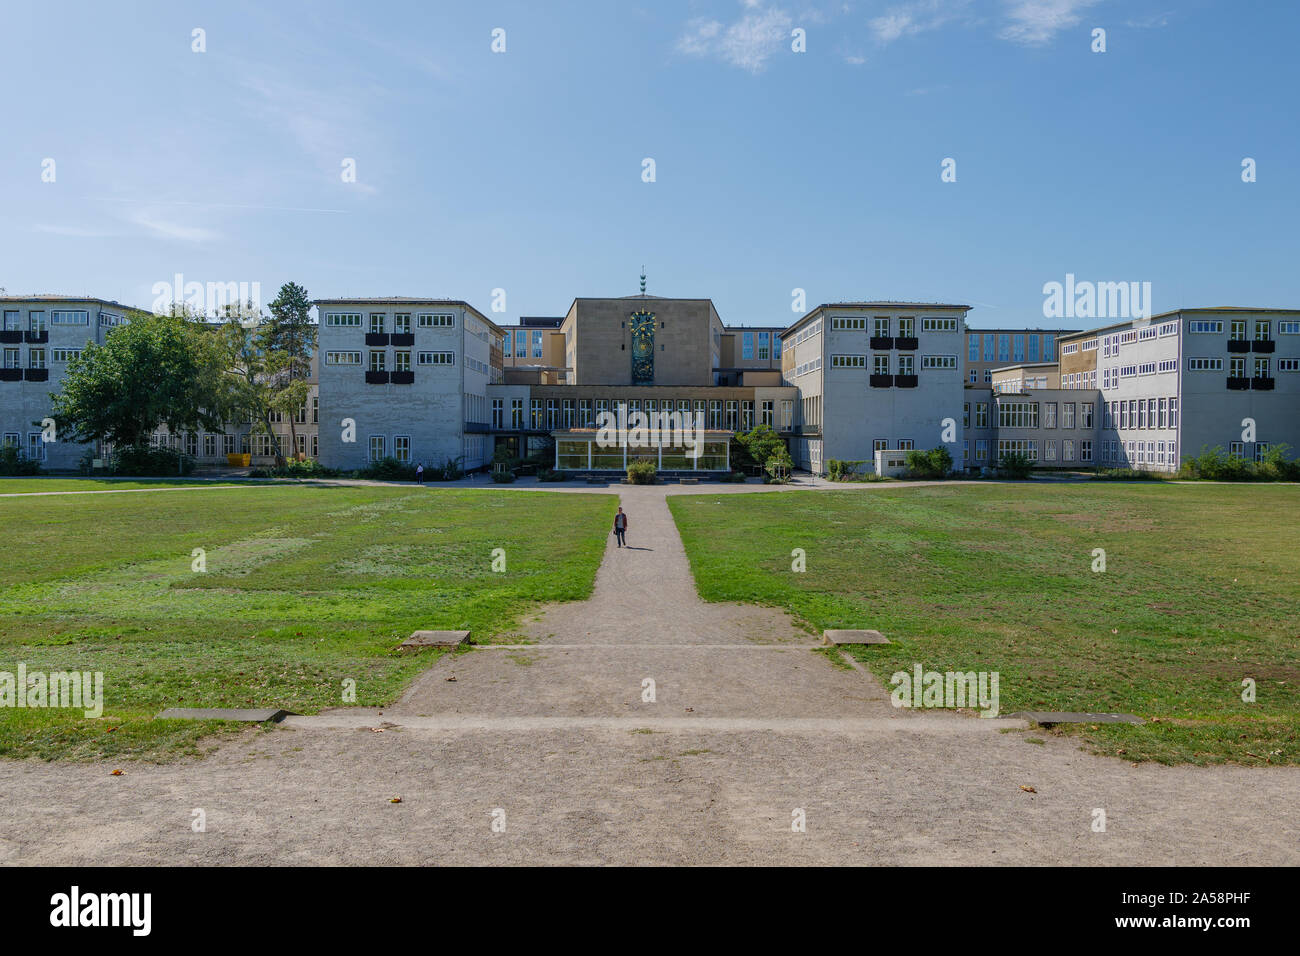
x=909, y=19
x=748, y=43
x=1036, y=22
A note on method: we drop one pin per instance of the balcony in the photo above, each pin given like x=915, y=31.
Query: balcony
x=36, y=374
x=881, y=381
x=376, y=378
x=1238, y=384
x=909, y=344
x=1263, y=345
x=477, y=428
x=11, y=337
x=11, y=375
x=402, y=339
x=1263, y=383
x=36, y=338
x=882, y=343
x=905, y=381
x=1238, y=345
x=403, y=378
x=376, y=338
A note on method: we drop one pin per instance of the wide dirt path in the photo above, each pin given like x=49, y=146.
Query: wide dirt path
x=553, y=734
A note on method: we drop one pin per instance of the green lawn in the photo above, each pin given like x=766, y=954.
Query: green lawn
x=1201, y=590
x=305, y=587
x=17, y=486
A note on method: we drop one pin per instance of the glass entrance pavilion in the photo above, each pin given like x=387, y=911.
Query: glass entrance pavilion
x=578, y=450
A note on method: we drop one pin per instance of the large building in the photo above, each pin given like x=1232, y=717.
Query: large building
x=430, y=379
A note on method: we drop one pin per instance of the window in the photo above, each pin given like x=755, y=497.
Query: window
x=1018, y=446
x=516, y=413
x=402, y=447
x=1067, y=449
x=377, y=361
x=402, y=323
x=848, y=324
x=436, y=320
x=1237, y=366
x=402, y=360
x=965, y=415
x=973, y=353
x=747, y=348
x=1288, y=328
x=787, y=414
x=35, y=446
x=12, y=319
x=765, y=413
x=342, y=358
x=343, y=319
x=1018, y=350
x=906, y=444
x=939, y=361
x=974, y=377
x=1067, y=415
x=1288, y=365
x=940, y=324
x=1205, y=326
x=36, y=358
x=879, y=364
x=1204, y=364
x=436, y=358
x=1261, y=330
x=377, y=321
x=64, y=355
x=848, y=361
x=209, y=446
x=227, y=444
x=880, y=326
x=1049, y=414
x=762, y=346
x=376, y=447
x=880, y=444
x=1085, y=451
x=906, y=364
x=907, y=327
x=1261, y=364
x=981, y=449
x=1261, y=449
x=1085, y=414
x=1004, y=348
x=1236, y=449
x=1237, y=329
x=109, y=319
x=981, y=415
x=1017, y=415
x=62, y=317
x=989, y=344
x=1049, y=450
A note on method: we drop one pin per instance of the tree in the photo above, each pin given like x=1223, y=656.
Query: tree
x=154, y=370
x=760, y=443
x=287, y=340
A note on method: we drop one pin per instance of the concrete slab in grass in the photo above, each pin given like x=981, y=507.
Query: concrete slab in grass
x=853, y=637
x=225, y=713
x=1049, y=717
x=422, y=639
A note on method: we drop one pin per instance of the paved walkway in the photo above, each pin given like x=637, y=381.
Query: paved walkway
x=749, y=728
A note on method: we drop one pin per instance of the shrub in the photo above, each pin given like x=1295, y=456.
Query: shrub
x=449, y=470
x=550, y=474
x=935, y=463
x=754, y=447
x=12, y=462
x=145, y=462
x=778, y=466
x=503, y=477
x=641, y=472
x=1015, y=465
x=840, y=469
x=1124, y=474
x=389, y=469
x=1213, y=465
x=733, y=476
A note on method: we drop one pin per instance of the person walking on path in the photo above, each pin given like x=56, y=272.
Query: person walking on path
x=620, y=527
x=419, y=473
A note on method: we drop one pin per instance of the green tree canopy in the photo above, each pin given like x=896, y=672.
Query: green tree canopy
x=154, y=370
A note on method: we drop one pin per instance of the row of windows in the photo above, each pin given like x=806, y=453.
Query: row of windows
x=584, y=413
x=1140, y=453
x=906, y=362
x=1142, y=413
x=36, y=319
x=747, y=350
x=1237, y=365
x=401, y=321
x=401, y=359
x=1009, y=346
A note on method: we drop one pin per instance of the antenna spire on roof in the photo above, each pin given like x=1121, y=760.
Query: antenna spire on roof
x=643, y=280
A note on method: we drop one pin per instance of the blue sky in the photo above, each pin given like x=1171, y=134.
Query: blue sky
x=774, y=170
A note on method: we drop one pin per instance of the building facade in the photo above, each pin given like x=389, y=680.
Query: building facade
x=430, y=380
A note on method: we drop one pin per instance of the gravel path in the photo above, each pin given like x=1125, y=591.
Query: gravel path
x=749, y=729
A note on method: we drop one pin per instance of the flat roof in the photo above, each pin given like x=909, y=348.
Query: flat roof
x=1210, y=310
